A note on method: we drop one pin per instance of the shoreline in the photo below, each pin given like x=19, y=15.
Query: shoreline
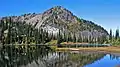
x=93, y=49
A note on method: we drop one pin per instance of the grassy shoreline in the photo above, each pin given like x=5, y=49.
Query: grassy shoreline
x=111, y=49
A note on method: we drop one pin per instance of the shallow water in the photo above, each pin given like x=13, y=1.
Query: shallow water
x=42, y=56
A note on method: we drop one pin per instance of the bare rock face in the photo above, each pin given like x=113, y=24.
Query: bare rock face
x=59, y=18
x=61, y=13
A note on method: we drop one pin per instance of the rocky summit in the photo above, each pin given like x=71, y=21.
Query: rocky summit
x=59, y=18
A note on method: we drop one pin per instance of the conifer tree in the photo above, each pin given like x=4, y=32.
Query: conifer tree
x=110, y=37
x=117, y=34
x=59, y=37
x=74, y=38
x=2, y=32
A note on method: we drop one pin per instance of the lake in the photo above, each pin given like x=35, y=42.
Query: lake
x=43, y=56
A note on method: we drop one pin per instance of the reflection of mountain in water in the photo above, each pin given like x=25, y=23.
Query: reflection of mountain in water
x=41, y=56
x=67, y=59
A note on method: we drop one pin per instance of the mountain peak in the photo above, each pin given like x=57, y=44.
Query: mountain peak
x=58, y=7
x=57, y=10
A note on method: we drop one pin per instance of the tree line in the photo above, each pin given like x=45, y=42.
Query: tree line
x=22, y=33
x=114, y=39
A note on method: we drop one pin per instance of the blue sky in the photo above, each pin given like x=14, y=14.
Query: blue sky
x=103, y=12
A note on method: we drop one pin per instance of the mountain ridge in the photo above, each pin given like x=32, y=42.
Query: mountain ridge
x=59, y=18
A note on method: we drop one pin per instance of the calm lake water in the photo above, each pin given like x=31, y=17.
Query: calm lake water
x=42, y=56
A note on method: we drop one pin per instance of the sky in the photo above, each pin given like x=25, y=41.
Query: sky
x=102, y=12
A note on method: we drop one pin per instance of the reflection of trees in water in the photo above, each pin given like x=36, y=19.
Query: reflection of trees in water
x=15, y=56
x=42, y=56
x=67, y=59
x=114, y=56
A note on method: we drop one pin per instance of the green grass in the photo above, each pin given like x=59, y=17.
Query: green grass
x=52, y=42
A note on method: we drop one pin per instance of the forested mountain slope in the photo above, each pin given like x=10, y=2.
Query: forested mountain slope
x=59, y=19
